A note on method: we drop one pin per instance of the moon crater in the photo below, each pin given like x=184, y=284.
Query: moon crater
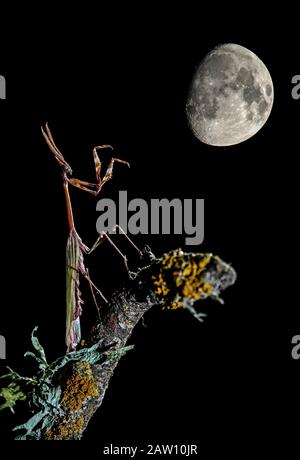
x=230, y=97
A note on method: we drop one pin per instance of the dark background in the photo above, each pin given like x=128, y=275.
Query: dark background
x=122, y=77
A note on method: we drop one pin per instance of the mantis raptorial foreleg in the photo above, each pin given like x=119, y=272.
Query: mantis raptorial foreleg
x=93, y=188
x=87, y=186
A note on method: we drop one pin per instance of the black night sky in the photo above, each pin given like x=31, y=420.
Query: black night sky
x=230, y=383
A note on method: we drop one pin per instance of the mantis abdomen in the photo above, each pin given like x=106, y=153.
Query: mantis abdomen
x=74, y=266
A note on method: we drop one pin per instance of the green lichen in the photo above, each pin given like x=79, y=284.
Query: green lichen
x=11, y=394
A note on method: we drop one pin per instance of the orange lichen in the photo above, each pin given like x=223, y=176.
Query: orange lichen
x=66, y=429
x=161, y=285
x=79, y=387
x=182, y=278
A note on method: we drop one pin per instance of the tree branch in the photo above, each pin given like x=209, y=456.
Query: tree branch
x=176, y=280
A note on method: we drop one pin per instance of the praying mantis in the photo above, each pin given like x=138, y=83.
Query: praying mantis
x=75, y=248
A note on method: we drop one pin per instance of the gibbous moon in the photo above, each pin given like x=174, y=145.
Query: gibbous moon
x=230, y=97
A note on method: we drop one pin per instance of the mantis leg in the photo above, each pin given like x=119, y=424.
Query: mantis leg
x=109, y=171
x=128, y=239
x=57, y=153
x=93, y=188
x=94, y=288
x=103, y=235
x=89, y=187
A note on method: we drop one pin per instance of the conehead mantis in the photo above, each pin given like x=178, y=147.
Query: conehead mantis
x=76, y=249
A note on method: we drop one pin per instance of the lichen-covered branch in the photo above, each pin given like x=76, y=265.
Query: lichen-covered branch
x=67, y=393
